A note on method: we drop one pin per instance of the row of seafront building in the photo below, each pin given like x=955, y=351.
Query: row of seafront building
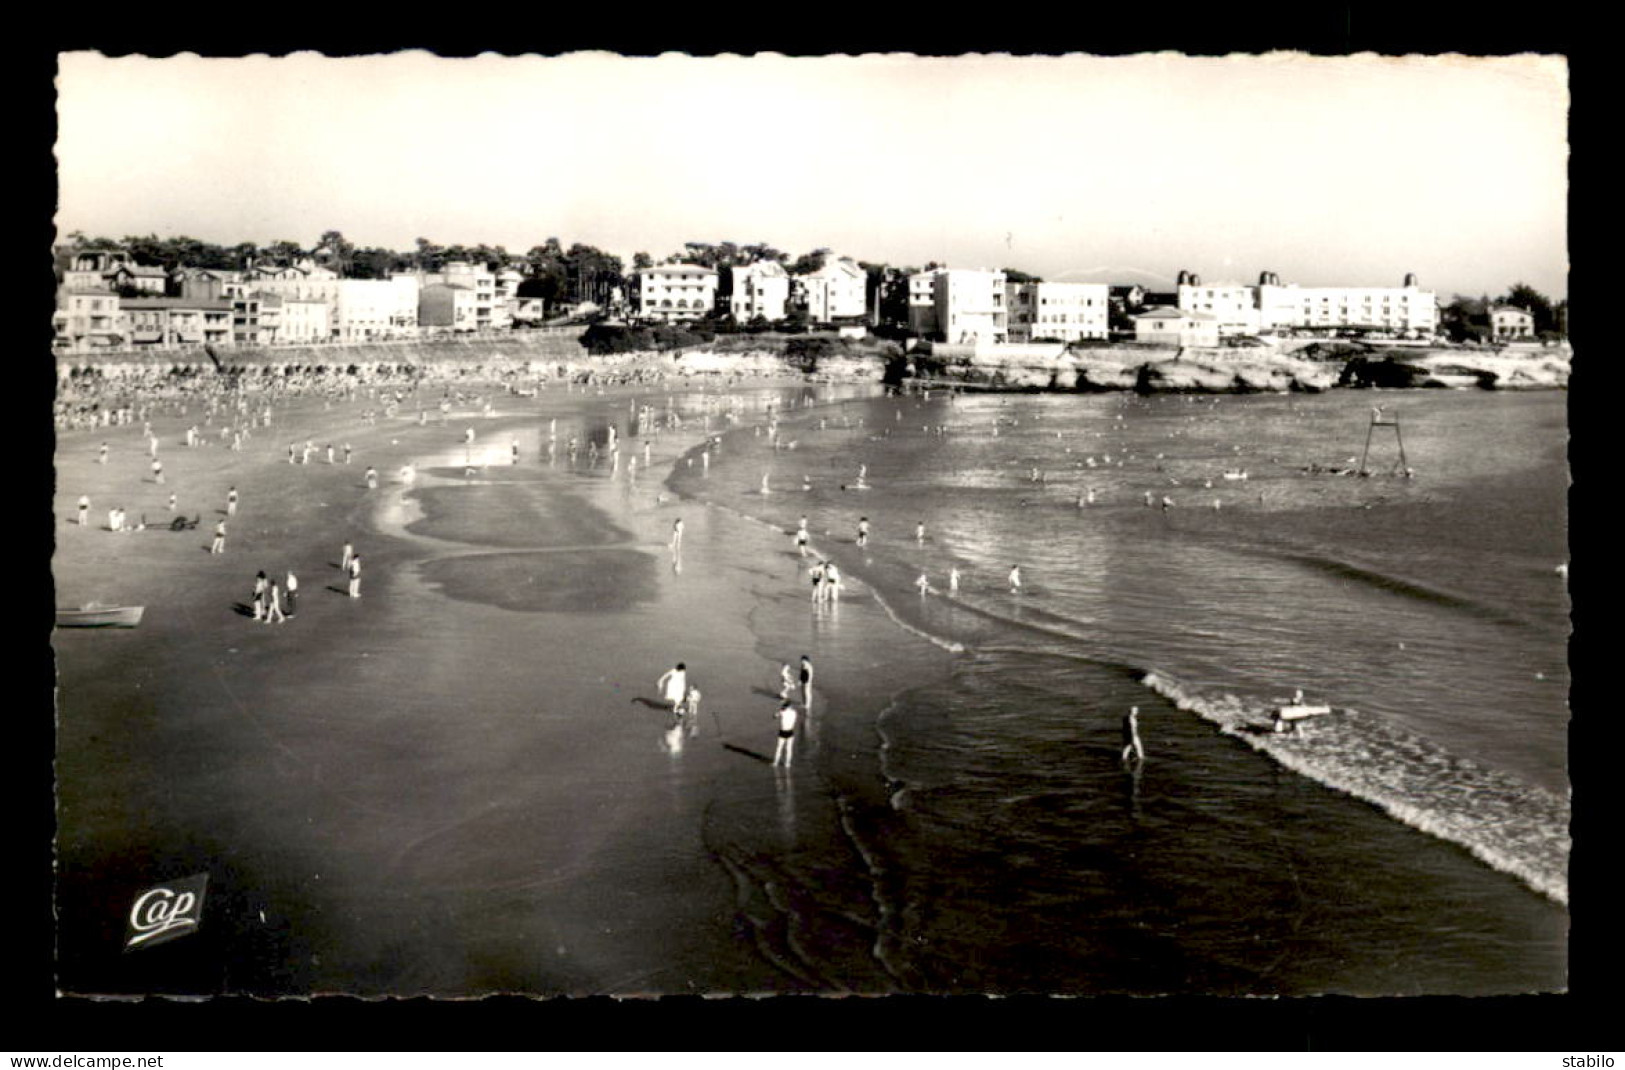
x=965, y=305
x=108, y=301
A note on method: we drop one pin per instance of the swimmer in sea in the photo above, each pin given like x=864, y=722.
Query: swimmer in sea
x=1015, y=579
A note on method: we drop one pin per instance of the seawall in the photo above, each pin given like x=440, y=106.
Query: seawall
x=1304, y=366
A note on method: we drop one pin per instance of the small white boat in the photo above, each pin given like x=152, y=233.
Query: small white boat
x=94, y=615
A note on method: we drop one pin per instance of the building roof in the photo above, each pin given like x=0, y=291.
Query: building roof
x=182, y=303
x=141, y=269
x=1511, y=308
x=1165, y=313
x=678, y=269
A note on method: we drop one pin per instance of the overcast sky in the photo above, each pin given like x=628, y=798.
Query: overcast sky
x=1325, y=170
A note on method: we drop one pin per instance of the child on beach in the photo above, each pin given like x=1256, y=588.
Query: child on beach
x=673, y=685
x=84, y=509
x=787, y=680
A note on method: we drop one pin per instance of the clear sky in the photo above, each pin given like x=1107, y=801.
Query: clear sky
x=1325, y=170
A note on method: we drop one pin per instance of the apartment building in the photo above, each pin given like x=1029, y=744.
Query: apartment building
x=836, y=291
x=90, y=319
x=1064, y=311
x=1232, y=305
x=964, y=305
x=444, y=306
x=673, y=292
x=759, y=289
x=376, y=309
x=167, y=322
x=109, y=270
x=491, y=308
x=304, y=321
x=256, y=319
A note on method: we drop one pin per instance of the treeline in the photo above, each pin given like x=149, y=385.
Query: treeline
x=553, y=272
x=1464, y=318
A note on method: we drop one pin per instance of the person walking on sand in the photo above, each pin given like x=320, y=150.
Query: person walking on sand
x=673, y=685
x=231, y=502
x=677, y=536
x=347, y=453
x=101, y=457
x=806, y=681
x=260, y=584
x=863, y=531
x=84, y=509
x=292, y=588
x=219, y=544
x=157, y=470
x=273, y=604
x=786, y=718
x=372, y=478
x=1132, y=747
x=174, y=503
x=349, y=552
x=355, y=576
x=919, y=533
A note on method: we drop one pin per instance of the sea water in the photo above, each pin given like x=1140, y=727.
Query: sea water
x=1201, y=559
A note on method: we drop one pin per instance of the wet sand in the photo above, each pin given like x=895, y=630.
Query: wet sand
x=462, y=782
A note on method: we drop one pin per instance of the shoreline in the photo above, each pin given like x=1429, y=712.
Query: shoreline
x=365, y=759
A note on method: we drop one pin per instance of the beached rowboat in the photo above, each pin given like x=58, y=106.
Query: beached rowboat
x=99, y=616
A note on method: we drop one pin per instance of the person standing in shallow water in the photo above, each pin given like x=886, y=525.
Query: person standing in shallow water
x=786, y=717
x=806, y=681
x=1133, y=749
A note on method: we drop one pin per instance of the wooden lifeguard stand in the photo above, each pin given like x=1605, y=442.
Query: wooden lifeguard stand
x=1378, y=420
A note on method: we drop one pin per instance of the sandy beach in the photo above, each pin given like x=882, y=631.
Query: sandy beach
x=462, y=782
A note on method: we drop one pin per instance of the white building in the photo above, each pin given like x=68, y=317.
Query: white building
x=375, y=309
x=759, y=289
x=673, y=292
x=304, y=321
x=491, y=308
x=1064, y=311
x=90, y=319
x=965, y=305
x=1510, y=321
x=1175, y=327
x=1406, y=309
x=1233, y=306
x=838, y=290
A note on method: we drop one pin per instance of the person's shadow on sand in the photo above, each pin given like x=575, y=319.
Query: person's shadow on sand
x=765, y=692
x=336, y=589
x=652, y=703
x=747, y=752
x=243, y=609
